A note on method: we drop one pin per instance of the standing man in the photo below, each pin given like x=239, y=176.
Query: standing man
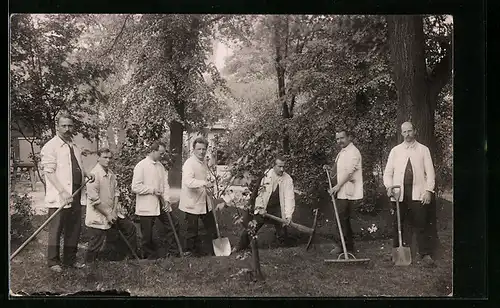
x=276, y=196
x=349, y=187
x=194, y=201
x=150, y=184
x=61, y=161
x=410, y=166
x=103, y=209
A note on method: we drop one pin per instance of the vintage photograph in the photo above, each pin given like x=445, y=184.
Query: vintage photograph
x=202, y=155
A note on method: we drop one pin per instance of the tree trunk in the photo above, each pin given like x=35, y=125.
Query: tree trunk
x=175, y=146
x=281, y=52
x=110, y=137
x=406, y=40
x=122, y=135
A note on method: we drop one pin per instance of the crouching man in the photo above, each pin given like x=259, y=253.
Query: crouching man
x=276, y=197
x=103, y=209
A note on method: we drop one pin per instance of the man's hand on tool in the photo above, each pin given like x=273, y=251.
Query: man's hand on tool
x=393, y=192
x=426, y=197
x=90, y=176
x=261, y=211
x=112, y=217
x=334, y=189
x=209, y=184
x=66, y=198
x=157, y=192
x=288, y=221
x=326, y=167
x=166, y=205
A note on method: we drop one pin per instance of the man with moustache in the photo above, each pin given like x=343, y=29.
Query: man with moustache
x=61, y=160
x=410, y=165
x=349, y=187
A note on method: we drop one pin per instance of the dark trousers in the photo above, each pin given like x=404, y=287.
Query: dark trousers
x=149, y=249
x=97, y=237
x=413, y=219
x=67, y=222
x=193, y=242
x=280, y=230
x=344, y=208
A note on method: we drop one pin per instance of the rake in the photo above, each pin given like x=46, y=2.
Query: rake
x=349, y=258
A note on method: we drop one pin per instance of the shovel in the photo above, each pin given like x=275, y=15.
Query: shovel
x=221, y=245
x=401, y=256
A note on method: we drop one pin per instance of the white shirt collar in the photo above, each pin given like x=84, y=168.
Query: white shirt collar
x=151, y=160
x=409, y=145
x=63, y=142
x=348, y=146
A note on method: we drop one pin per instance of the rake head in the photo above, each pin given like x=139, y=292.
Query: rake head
x=348, y=259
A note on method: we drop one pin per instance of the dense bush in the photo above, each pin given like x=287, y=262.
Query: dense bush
x=21, y=217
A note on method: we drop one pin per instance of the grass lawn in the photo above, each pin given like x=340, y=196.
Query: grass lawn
x=289, y=272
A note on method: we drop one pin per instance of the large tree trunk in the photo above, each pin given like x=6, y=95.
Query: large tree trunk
x=281, y=52
x=406, y=39
x=110, y=137
x=122, y=135
x=175, y=146
x=417, y=91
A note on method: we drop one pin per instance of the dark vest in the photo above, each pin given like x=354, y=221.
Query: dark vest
x=408, y=177
x=75, y=169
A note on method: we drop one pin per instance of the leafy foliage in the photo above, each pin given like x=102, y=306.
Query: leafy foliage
x=47, y=75
x=21, y=217
x=167, y=82
x=341, y=78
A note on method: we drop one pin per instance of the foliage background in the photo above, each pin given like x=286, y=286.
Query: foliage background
x=289, y=84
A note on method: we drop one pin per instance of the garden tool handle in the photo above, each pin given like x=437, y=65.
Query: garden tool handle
x=211, y=195
x=329, y=180
x=292, y=224
x=400, y=237
x=46, y=222
x=134, y=254
x=170, y=220
x=337, y=218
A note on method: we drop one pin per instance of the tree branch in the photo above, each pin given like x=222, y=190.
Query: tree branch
x=117, y=36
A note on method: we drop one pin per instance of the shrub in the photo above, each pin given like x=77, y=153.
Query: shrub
x=21, y=217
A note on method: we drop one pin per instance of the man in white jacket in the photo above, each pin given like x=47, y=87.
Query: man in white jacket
x=194, y=200
x=410, y=166
x=349, y=187
x=104, y=210
x=61, y=160
x=276, y=196
x=150, y=183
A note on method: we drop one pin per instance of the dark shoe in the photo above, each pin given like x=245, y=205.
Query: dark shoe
x=428, y=261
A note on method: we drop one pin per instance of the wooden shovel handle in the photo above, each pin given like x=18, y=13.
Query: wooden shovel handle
x=292, y=224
